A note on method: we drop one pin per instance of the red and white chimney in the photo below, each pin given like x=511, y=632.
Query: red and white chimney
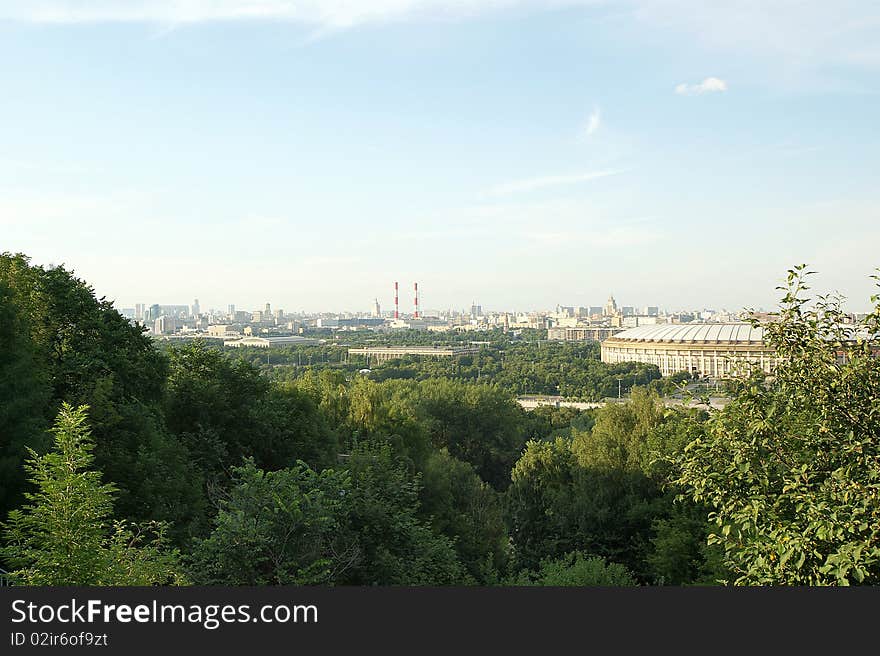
x=416, y=288
x=396, y=303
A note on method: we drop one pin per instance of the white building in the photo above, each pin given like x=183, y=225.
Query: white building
x=716, y=350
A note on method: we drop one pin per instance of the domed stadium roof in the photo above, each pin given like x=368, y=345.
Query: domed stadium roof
x=693, y=333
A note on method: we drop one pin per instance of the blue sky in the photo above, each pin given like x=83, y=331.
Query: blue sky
x=515, y=153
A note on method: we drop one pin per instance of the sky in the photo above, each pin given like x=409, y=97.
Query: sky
x=514, y=153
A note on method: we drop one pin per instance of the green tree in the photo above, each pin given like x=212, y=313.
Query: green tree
x=478, y=424
x=791, y=468
x=469, y=512
x=286, y=527
x=89, y=354
x=576, y=569
x=225, y=411
x=605, y=492
x=24, y=395
x=619, y=437
x=397, y=547
x=65, y=534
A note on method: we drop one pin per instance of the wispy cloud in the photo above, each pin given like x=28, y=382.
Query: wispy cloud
x=709, y=85
x=801, y=33
x=593, y=122
x=547, y=181
x=323, y=14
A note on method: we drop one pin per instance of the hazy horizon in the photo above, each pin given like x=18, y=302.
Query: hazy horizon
x=515, y=153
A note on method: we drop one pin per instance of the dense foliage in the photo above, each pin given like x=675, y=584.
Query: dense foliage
x=791, y=469
x=65, y=534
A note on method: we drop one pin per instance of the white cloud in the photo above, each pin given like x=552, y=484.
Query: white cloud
x=323, y=14
x=798, y=33
x=547, y=181
x=593, y=122
x=709, y=85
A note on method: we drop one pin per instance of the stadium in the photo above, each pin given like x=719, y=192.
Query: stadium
x=708, y=350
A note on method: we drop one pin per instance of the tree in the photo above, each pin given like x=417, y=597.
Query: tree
x=225, y=411
x=285, y=527
x=65, y=534
x=791, y=468
x=468, y=511
x=24, y=395
x=397, y=547
x=619, y=437
x=478, y=424
x=576, y=569
x=605, y=492
x=86, y=353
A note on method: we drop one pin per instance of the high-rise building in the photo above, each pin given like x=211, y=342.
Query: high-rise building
x=230, y=310
x=268, y=312
x=139, y=311
x=195, y=310
x=154, y=312
x=164, y=325
x=377, y=310
x=611, y=307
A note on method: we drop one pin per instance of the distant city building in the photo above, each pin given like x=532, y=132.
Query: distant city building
x=611, y=307
x=230, y=310
x=651, y=311
x=336, y=323
x=176, y=311
x=716, y=350
x=271, y=342
x=383, y=353
x=219, y=330
x=196, y=310
x=139, y=311
x=377, y=310
x=476, y=310
x=165, y=325
x=268, y=312
x=128, y=313
x=582, y=333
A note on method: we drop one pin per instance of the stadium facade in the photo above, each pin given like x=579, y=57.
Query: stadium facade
x=712, y=350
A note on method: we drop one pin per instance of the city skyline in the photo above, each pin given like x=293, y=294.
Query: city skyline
x=407, y=308
x=518, y=154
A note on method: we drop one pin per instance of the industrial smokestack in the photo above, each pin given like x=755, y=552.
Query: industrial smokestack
x=416, y=288
x=396, y=303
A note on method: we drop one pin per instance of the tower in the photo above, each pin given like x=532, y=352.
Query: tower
x=611, y=307
x=416, y=289
x=396, y=303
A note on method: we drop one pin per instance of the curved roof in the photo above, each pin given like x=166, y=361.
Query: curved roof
x=693, y=333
